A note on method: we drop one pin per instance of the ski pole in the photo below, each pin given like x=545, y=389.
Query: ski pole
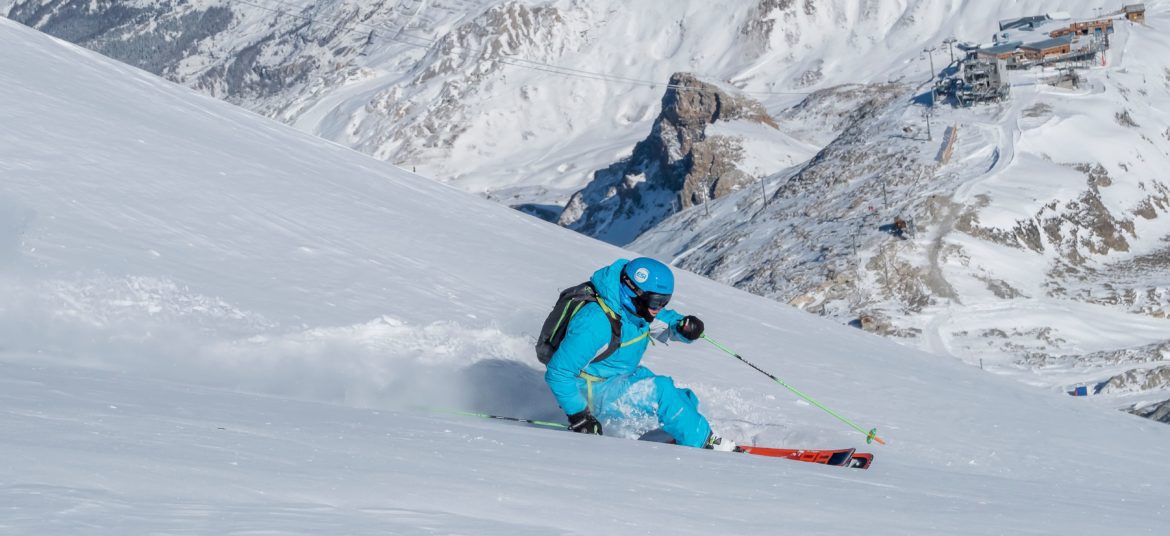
x=870, y=436
x=549, y=424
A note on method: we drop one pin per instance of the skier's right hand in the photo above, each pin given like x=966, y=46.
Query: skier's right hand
x=584, y=423
x=691, y=328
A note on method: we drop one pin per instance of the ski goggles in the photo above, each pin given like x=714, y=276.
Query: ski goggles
x=654, y=300
x=649, y=300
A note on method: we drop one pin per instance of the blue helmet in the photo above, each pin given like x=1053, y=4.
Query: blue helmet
x=646, y=286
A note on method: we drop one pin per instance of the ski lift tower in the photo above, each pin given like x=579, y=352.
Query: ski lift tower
x=983, y=80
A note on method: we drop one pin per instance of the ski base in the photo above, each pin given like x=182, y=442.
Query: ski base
x=838, y=457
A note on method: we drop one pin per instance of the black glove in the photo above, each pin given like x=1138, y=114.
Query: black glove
x=584, y=423
x=691, y=327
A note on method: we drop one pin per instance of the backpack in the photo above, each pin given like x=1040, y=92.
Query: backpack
x=570, y=301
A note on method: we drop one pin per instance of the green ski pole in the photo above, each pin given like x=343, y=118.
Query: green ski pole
x=870, y=436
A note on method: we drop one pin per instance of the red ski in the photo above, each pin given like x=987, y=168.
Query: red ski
x=839, y=457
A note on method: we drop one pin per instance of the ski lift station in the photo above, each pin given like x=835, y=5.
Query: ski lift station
x=1030, y=41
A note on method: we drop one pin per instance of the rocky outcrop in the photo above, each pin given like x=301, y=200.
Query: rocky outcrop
x=824, y=211
x=1138, y=380
x=770, y=17
x=853, y=154
x=678, y=166
x=1076, y=229
x=1159, y=412
x=1150, y=353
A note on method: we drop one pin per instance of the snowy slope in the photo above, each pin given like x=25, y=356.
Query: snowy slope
x=213, y=324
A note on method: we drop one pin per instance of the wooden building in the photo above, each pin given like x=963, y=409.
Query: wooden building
x=1046, y=48
x=1096, y=27
x=1135, y=12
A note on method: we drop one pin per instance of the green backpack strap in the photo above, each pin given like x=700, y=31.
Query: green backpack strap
x=615, y=330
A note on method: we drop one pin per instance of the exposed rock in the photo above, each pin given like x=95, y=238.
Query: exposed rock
x=1138, y=380
x=1124, y=119
x=900, y=280
x=465, y=58
x=1137, y=284
x=1075, y=229
x=1088, y=225
x=1001, y=288
x=763, y=22
x=1159, y=411
x=853, y=155
x=831, y=110
x=1157, y=202
x=1150, y=353
x=676, y=167
x=1098, y=175
x=1025, y=234
x=824, y=213
x=1040, y=109
x=876, y=323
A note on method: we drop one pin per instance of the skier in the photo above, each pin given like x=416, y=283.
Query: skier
x=617, y=388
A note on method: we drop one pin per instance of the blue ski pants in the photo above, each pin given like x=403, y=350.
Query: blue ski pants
x=640, y=394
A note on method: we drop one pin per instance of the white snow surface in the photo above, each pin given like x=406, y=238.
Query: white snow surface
x=211, y=323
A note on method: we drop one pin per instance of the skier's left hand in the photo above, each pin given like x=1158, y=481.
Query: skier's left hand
x=584, y=422
x=691, y=327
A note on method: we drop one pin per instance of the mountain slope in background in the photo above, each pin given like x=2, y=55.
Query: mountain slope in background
x=1034, y=249
x=212, y=323
x=521, y=99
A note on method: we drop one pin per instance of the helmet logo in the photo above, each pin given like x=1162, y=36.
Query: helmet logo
x=641, y=275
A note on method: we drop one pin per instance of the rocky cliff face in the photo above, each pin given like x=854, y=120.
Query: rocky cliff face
x=806, y=238
x=1159, y=412
x=678, y=166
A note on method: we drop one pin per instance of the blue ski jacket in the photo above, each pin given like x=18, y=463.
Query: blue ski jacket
x=588, y=333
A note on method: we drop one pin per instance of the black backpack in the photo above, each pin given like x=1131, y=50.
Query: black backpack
x=570, y=301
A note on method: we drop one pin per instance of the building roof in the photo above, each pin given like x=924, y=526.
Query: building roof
x=1049, y=43
x=1038, y=30
x=1000, y=49
x=1134, y=7
x=1007, y=24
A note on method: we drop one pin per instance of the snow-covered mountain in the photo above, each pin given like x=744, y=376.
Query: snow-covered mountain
x=519, y=98
x=211, y=323
x=1050, y=206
